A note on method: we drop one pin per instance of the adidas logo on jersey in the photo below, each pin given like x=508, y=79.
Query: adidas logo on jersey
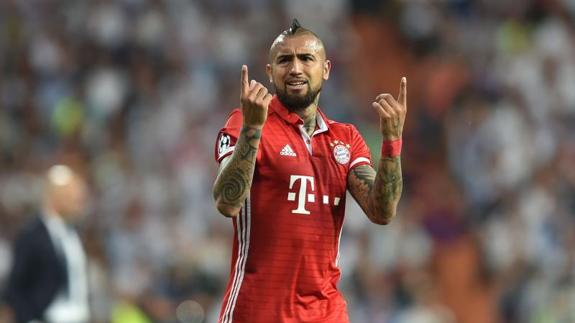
x=287, y=151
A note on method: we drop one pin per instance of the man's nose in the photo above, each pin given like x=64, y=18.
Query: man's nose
x=296, y=67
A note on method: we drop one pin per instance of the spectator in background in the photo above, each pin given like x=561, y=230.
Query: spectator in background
x=48, y=279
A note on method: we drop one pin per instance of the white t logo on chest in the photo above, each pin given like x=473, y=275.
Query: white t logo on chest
x=303, y=196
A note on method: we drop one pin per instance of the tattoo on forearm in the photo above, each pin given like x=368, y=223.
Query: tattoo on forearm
x=234, y=182
x=378, y=194
x=233, y=186
x=388, y=185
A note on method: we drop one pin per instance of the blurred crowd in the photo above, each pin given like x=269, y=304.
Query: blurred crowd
x=132, y=93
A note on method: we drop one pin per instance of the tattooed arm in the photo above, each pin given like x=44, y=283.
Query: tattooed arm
x=234, y=180
x=378, y=193
x=236, y=173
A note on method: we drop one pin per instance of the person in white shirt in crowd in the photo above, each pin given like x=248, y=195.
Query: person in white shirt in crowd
x=48, y=278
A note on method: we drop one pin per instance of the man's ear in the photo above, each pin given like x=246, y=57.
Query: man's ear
x=269, y=72
x=326, y=69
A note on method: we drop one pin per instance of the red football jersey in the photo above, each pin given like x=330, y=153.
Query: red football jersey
x=286, y=238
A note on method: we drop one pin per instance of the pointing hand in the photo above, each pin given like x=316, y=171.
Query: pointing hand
x=392, y=112
x=254, y=99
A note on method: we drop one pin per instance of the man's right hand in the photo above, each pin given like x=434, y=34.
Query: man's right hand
x=254, y=99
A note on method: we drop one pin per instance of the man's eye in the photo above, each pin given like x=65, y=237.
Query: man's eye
x=283, y=60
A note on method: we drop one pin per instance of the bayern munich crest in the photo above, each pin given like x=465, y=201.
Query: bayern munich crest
x=341, y=152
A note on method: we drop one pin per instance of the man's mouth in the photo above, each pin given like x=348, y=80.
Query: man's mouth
x=296, y=84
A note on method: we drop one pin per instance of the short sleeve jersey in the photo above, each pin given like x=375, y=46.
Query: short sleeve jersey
x=286, y=239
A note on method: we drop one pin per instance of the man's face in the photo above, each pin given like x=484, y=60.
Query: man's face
x=297, y=70
x=70, y=199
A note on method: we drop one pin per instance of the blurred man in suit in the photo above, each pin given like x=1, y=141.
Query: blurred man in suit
x=48, y=280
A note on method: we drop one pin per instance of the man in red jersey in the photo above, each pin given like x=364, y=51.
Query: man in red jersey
x=284, y=171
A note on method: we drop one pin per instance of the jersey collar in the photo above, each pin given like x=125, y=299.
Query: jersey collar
x=294, y=119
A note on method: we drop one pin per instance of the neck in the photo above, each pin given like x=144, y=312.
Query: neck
x=308, y=115
x=50, y=211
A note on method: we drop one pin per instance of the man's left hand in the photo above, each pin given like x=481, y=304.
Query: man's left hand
x=392, y=112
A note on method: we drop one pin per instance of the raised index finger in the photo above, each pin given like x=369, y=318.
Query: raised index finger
x=245, y=82
x=402, y=98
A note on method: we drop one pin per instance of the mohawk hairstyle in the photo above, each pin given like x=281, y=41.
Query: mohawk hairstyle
x=295, y=25
x=295, y=29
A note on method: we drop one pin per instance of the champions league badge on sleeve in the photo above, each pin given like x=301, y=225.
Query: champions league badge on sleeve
x=224, y=143
x=340, y=152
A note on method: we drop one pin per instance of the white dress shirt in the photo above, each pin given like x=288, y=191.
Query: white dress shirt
x=71, y=305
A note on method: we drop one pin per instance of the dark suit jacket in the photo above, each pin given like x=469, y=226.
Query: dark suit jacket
x=38, y=273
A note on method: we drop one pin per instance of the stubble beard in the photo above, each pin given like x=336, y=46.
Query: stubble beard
x=295, y=102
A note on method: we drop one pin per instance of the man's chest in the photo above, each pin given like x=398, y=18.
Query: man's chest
x=304, y=170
